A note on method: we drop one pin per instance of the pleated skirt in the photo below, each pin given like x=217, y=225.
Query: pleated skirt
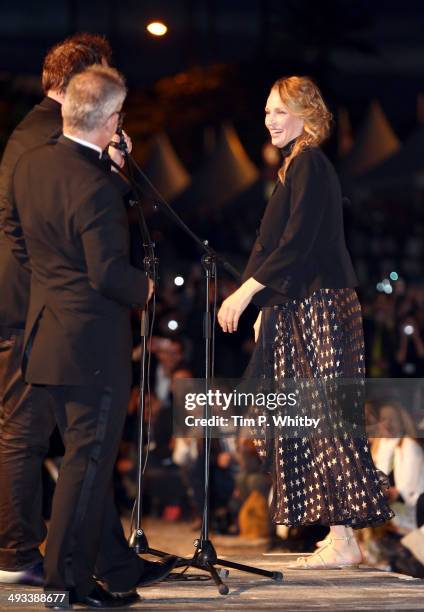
x=324, y=475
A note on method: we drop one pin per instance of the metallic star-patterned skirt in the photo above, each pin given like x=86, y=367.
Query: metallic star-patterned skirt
x=324, y=476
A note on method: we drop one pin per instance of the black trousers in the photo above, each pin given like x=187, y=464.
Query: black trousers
x=26, y=423
x=85, y=535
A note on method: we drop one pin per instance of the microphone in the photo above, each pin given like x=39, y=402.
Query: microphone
x=121, y=145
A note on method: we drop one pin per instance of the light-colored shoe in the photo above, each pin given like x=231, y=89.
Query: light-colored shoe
x=317, y=561
x=323, y=542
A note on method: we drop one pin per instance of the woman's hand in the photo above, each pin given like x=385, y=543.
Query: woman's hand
x=233, y=307
x=257, y=326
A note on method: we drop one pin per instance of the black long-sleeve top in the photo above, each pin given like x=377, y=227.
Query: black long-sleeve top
x=301, y=244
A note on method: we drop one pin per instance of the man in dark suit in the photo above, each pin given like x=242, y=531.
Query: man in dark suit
x=25, y=421
x=78, y=333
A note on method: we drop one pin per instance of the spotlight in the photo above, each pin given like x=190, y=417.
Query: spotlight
x=388, y=289
x=408, y=330
x=172, y=325
x=157, y=28
x=380, y=287
x=179, y=281
x=394, y=276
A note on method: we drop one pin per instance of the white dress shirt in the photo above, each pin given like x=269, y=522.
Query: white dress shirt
x=85, y=143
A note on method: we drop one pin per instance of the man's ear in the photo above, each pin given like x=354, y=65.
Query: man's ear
x=111, y=124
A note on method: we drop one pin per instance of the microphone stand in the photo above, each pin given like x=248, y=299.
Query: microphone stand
x=137, y=539
x=205, y=557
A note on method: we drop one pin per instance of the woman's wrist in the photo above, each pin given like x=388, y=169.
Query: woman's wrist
x=251, y=287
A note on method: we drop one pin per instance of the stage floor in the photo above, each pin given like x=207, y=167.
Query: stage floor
x=362, y=589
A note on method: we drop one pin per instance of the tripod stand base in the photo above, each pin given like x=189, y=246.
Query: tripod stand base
x=139, y=543
x=205, y=558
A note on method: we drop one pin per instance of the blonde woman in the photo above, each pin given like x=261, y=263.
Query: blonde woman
x=310, y=327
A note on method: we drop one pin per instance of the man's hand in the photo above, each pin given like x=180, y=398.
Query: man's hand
x=117, y=155
x=257, y=326
x=233, y=307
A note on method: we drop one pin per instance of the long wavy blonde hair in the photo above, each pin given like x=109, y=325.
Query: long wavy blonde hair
x=303, y=99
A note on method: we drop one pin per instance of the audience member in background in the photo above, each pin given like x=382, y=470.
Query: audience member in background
x=410, y=347
x=169, y=355
x=251, y=475
x=221, y=483
x=380, y=336
x=251, y=493
x=399, y=453
x=184, y=450
x=371, y=420
x=164, y=488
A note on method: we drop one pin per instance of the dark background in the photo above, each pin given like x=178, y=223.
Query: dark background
x=215, y=65
x=357, y=50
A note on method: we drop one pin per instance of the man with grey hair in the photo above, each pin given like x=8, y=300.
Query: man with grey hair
x=78, y=334
x=26, y=422
x=92, y=99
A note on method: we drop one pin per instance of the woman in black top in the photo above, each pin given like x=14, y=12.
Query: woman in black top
x=309, y=336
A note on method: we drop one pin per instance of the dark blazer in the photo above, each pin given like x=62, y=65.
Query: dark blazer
x=42, y=122
x=75, y=229
x=301, y=244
